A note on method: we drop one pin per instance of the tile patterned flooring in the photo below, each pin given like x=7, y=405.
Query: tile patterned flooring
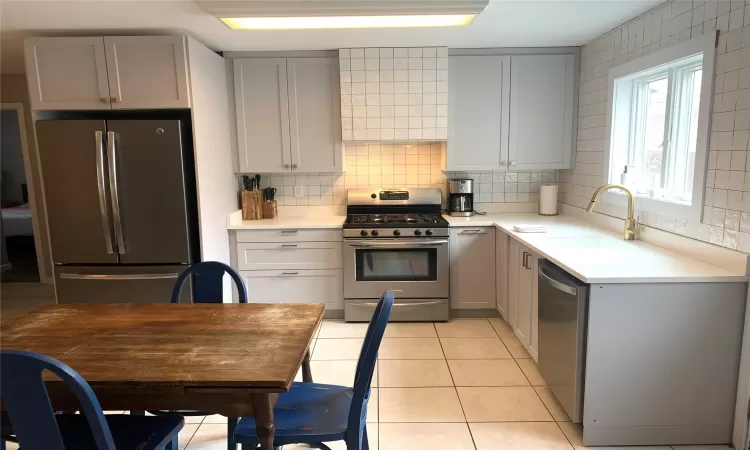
x=463, y=385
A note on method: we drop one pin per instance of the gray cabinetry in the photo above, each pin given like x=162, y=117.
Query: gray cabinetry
x=288, y=116
x=542, y=106
x=67, y=73
x=478, y=98
x=147, y=72
x=473, y=268
x=94, y=73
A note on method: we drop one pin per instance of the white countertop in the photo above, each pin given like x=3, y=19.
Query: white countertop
x=589, y=253
x=594, y=255
x=235, y=222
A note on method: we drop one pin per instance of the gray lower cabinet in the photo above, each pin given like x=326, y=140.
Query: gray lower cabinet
x=288, y=116
x=113, y=72
x=472, y=271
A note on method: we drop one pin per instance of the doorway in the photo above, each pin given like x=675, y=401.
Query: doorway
x=20, y=256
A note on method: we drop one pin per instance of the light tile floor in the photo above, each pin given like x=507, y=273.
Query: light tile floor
x=463, y=385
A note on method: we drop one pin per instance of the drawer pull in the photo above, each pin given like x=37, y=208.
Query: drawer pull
x=289, y=273
x=289, y=231
x=288, y=245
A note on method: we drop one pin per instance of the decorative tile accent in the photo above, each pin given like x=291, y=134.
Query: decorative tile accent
x=727, y=191
x=401, y=92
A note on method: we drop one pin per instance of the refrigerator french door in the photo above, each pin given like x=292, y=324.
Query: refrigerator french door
x=117, y=207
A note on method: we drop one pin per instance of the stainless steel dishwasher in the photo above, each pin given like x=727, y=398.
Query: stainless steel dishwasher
x=563, y=307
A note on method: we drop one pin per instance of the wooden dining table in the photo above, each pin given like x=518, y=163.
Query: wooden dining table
x=229, y=359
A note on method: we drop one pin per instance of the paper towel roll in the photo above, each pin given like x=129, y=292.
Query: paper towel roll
x=548, y=200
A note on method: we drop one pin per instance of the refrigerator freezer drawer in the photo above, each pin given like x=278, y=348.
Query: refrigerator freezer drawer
x=103, y=285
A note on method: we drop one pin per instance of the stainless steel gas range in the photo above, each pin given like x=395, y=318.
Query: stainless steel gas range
x=396, y=240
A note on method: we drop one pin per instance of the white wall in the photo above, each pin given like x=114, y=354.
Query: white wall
x=726, y=219
x=11, y=157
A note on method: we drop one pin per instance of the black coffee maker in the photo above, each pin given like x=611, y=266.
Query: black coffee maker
x=461, y=197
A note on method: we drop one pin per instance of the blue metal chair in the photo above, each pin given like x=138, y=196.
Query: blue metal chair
x=37, y=427
x=312, y=413
x=208, y=281
x=208, y=277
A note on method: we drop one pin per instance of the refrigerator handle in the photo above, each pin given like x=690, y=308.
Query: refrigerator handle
x=111, y=155
x=103, y=206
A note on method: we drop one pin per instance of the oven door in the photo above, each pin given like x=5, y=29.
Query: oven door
x=416, y=268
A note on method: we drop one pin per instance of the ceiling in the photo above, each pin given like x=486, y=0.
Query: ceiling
x=505, y=23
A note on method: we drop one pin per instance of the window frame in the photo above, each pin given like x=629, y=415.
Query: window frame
x=705, y=44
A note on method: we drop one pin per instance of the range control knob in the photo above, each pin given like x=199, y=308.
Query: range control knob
x=373, y=195
x=374, y=232
x=417, y=232
x=396, y=233
x=428, y=232
x=363, y=233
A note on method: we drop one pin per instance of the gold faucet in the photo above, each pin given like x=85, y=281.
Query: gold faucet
x=631, y=225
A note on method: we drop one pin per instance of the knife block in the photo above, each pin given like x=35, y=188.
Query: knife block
x=252, y=208
x=270, y=210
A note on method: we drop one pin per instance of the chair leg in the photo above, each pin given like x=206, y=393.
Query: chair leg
x=173, y=444
x=2, y=444
x=365, y=441
x=231, y=426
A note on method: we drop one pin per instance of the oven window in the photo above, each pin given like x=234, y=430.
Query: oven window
x=397, y=265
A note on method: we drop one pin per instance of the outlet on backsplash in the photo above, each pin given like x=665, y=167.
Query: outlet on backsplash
x=299, y=191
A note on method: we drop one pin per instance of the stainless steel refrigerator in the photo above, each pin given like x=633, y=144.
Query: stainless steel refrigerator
x=120, y=197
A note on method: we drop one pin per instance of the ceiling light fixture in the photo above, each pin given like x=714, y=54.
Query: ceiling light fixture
x=307, y=23
x=338, y=14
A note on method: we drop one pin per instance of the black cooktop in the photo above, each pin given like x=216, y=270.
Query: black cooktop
x=395, y=221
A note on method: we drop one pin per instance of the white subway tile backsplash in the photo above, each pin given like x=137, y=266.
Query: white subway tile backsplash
x=727, y=189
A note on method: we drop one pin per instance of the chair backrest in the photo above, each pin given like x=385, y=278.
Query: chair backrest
x=25, y=397
x=208, y=279
x=367, y=357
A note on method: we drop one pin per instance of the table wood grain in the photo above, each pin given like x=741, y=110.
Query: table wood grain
x=232, y=359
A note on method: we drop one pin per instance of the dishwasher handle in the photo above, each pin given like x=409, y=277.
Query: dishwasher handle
x=572, y=290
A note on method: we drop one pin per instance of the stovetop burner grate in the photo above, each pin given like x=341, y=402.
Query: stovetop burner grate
x=402, y=220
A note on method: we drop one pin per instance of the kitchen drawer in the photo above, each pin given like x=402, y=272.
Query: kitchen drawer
x=301, y=255
x=296, y=286
x=290, y=235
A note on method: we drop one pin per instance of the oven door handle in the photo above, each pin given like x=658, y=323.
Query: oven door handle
x=398, y=243
x=400, y=305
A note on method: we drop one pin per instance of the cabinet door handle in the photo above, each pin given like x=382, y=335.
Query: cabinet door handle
x=524, y=259
x=286, y=166
x=526, y=263
x=294, y=166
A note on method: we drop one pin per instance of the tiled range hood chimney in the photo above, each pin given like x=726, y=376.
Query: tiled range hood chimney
x=394, y=94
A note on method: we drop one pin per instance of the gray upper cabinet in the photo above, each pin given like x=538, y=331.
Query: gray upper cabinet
x=542, y=105
x=288, y=115
x=67, y=73
x=147, y=72
x=478, y=99
x=260, y=90
x=314, y=113
x=91, y=73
